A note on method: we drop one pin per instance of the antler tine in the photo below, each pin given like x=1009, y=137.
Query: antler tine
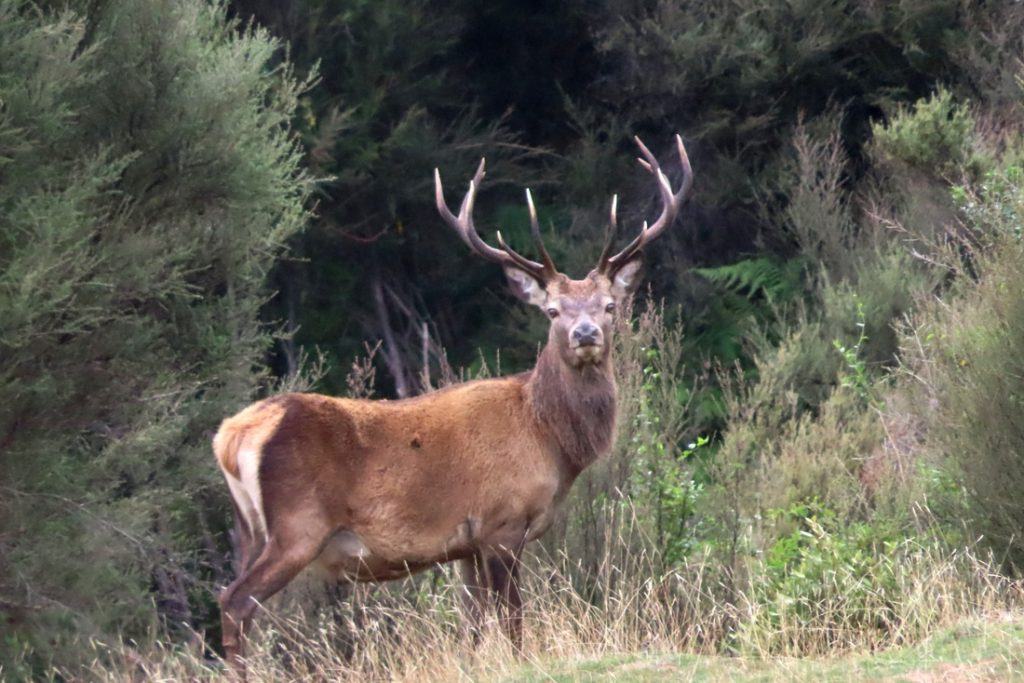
x=523, y=262
x=671, y=202
x=610, y=232
x=478, y=178
x=464, y=226
x=538, y=240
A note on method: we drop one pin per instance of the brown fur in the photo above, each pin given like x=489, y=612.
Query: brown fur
x=577, y=405
x=372, y=490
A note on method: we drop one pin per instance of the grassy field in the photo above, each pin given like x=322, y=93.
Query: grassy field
x=981, y=650
x=938, y=618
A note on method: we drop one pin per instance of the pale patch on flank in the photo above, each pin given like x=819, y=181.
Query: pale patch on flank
x=347, y=544
x=343, y=553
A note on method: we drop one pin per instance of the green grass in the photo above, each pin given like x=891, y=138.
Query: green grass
x=990, y=650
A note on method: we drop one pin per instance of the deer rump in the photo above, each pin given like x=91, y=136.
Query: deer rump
x=387, y=488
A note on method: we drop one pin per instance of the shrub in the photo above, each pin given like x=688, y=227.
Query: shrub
x=817, y=212
x=994, y=206
x=932, y=134
x=967, y=355
x=148, y=181
x=826, y=582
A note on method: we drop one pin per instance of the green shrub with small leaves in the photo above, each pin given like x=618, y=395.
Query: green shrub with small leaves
x=994, y=206
x=826, y=581
x=148, y=179
x=934, y=133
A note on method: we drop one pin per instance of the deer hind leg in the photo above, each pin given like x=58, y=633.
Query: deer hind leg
x=249, y=526
x=474, y=595
x=248, y=545
x=503, y=568
x=277, y=564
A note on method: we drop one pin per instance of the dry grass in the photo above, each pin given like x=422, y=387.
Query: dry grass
x=412, y=630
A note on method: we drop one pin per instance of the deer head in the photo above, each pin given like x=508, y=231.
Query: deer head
x=581, y=311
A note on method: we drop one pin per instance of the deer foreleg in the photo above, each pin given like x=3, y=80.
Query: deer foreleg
x=474, y=593
x=503, y=568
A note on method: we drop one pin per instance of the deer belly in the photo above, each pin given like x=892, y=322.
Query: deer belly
x=390, y=545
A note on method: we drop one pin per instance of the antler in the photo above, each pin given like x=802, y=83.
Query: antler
x=506, y=256
x=670, y=208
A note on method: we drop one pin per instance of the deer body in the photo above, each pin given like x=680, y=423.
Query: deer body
x=407, y=484
x=375, y=490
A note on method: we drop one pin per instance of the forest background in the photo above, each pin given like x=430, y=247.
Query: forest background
x=202, y=204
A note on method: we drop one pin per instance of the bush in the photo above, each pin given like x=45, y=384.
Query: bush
x=826, y=582
x=967, y=355
x=934, y=134
x=149, y=180
x=994, y=206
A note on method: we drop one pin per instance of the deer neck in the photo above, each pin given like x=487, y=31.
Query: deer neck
x=576, y=405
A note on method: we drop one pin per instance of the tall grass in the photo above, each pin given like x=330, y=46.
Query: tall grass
x=411, y=630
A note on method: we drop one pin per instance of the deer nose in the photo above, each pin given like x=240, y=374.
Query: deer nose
x=586, y=334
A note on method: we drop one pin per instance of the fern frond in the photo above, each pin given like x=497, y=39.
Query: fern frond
x=761, y=276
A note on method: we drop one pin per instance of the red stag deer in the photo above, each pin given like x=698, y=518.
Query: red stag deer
x=375, y=490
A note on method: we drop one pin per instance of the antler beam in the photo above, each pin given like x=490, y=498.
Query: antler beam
x=671, y=202
x=505, y=256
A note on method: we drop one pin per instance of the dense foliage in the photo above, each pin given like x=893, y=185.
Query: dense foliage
x=147, y=181
x=823, y=372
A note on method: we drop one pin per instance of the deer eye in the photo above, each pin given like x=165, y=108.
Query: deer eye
x=610, y=308
x=552, y=313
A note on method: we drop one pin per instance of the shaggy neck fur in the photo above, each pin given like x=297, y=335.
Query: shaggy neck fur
x=576, y=404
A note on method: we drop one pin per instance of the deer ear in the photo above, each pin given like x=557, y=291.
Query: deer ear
x=626, y=279
x=526, y=287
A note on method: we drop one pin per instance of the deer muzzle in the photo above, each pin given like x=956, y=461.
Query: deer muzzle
x=587, y=341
